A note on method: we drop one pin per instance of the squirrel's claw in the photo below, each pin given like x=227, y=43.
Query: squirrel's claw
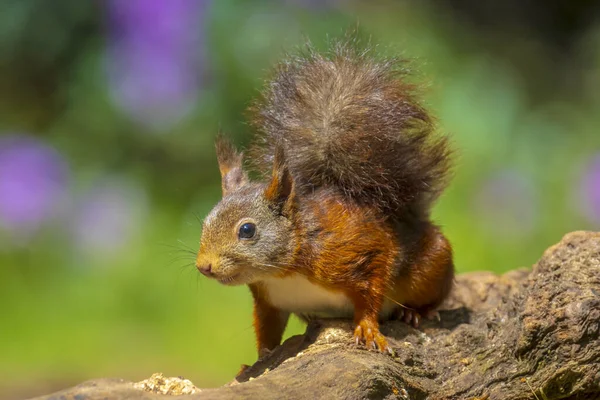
x=368, y=333
x=433, y=315
x=416, y=320
x=411, y=317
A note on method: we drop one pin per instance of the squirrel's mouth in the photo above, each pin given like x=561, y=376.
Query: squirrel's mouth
x=229, y=280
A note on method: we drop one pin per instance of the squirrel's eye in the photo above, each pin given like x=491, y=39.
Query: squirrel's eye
x=247, y=231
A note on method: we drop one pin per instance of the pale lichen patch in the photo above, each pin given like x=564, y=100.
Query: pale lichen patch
x=174, y=386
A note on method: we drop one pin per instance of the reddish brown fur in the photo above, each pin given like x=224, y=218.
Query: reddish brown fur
x=269, y=322
x=432, y=267
x=353, y=253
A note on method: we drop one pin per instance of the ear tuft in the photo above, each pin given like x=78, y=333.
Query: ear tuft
x=280, y=191
x=230, y=165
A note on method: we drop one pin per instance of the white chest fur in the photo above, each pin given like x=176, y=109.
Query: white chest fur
x=299, y=295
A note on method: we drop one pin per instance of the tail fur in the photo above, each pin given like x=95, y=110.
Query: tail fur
x=349, y=120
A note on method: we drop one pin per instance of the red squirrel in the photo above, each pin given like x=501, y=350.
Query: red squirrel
x=339, y=225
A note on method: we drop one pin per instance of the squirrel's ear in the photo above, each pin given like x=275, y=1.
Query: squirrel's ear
x=280, y=191
x=230, y=165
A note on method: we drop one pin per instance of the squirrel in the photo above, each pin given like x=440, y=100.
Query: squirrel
x=339, y=225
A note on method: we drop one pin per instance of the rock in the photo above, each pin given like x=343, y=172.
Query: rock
x=528, y=334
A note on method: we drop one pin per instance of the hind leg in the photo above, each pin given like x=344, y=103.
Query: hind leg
x=424, y=284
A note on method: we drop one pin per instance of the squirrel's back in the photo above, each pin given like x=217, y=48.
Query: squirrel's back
x=349, y=120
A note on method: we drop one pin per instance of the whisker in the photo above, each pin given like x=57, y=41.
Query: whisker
x=186, y=267
x=183, y=257
x=195, y=214
x=179, y=259
x=179, y=256
x=395, y=302
x=183, y=254
x=178, y=249
x=173, y=246
x=185, y=246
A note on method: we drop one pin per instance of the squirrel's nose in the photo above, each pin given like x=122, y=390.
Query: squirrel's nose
x=205, y=269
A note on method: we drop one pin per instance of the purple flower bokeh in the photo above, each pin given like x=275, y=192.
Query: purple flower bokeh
x=33, y=181
x=589, y=191
x=154, y=58
x=108, y=216
x=507, y=204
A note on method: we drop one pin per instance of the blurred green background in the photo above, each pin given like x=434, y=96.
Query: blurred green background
x=108, y=110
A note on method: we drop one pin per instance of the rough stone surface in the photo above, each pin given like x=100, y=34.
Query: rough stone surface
x=528, y=334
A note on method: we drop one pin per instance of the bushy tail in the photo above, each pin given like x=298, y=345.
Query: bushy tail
x=349, y=120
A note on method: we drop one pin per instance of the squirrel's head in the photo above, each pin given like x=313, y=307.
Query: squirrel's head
x=249, y=234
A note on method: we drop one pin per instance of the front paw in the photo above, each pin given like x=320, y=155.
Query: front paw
x=367, y=333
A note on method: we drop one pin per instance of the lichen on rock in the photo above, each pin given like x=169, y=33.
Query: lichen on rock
x=174, y=386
